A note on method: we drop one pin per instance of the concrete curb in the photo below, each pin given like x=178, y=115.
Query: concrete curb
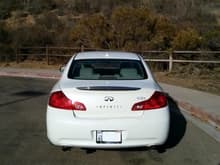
x=186, y=107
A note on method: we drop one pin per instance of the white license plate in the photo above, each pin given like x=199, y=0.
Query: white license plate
x=108, y=136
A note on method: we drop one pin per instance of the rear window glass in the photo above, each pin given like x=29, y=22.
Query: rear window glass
x=107, y=69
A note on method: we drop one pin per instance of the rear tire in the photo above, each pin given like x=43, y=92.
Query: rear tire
x=66, y=148
x=158, y=149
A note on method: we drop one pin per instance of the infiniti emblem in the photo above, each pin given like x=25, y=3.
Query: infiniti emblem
x=109, y=98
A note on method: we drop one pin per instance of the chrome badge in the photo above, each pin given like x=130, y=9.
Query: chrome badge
x=109, y=98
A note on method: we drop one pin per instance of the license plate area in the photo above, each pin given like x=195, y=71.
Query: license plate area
x=110, y=137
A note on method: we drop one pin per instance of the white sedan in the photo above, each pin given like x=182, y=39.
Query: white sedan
x=107, y=100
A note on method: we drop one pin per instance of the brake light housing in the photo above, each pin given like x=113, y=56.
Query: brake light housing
x=59, y=100
x=156, y=101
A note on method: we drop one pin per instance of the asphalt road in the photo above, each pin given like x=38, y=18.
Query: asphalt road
x=23, y=135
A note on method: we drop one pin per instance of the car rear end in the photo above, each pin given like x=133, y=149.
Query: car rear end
x=107, y=100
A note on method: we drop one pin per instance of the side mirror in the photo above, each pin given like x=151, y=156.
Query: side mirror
x=62, y=68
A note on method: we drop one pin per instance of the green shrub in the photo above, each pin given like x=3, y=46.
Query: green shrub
x=164, y=32
x=188, y=39
x=131, y=25
x=6, y=50
x=32, y=36
x=92, y=32
x=212, y=40
x=127, y=28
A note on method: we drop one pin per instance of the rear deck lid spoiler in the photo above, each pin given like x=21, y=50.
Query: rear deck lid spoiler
x=108, y=88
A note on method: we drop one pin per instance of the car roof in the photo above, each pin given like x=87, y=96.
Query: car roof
x=107, y=55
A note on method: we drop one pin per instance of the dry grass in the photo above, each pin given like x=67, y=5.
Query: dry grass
x=30, y=64
x=207, y=83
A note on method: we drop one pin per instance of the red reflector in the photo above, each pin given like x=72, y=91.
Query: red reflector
x=59, y=100
x=79, y=106
x=157, y=100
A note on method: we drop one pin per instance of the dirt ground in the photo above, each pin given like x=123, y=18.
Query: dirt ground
x=207, y=82
x=31, y=64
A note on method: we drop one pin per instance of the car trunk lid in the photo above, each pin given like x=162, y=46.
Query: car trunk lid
x=108, y=99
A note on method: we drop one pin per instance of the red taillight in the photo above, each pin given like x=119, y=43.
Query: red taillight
x=59, y=100
x=157, y=100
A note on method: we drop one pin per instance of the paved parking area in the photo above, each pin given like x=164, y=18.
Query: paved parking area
x=23, y=134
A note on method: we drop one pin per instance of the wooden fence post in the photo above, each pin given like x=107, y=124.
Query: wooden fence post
x=47, y=56
x=82, y=48
x=170, y=61
x=17, y=55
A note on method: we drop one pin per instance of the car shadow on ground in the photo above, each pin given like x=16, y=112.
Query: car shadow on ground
x=22, y=96
x=177, y=125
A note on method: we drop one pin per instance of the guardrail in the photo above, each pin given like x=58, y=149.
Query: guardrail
x=169, y=57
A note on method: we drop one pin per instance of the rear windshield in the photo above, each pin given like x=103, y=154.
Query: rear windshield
x=107, y=69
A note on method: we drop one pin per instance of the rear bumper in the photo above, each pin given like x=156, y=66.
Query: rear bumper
x=63, y=129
